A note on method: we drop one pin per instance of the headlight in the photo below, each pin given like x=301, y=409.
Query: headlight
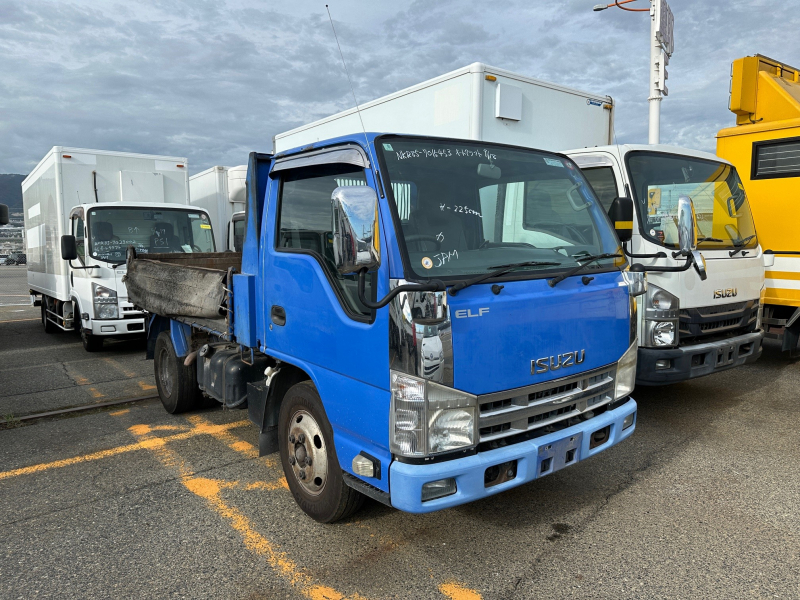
x=626, y=372
x=428, y=418
x=662, y=333
x=661, y=314
x=105, y=302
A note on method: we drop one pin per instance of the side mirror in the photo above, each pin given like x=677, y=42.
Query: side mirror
x=699, y=264
x=621, y=214
x=3, y=214
x=69, y=248
x=356, y=244
x=687, y=226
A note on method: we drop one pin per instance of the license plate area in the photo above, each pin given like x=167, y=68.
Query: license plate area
x=560, y=454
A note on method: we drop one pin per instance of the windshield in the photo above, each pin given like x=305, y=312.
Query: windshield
x=723, y=213
x=112, y=230
x=467, y=208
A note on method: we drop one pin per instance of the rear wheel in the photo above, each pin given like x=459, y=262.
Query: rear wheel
x=308, y=456
x=91, y=342
x=176, y=383
x=49, y=326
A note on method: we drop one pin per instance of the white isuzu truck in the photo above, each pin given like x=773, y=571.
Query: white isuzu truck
x=83, y=208
x=693, y=320
x=220, y=191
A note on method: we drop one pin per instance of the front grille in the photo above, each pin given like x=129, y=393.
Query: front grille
x=710, y=323
x=510, y=413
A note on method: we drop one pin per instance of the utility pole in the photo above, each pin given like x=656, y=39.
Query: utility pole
x=661, y=46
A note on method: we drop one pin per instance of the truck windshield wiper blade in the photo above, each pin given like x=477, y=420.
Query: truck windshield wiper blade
x=740, y=244
x=586, y=261
x=499, y=270
x=709, y=239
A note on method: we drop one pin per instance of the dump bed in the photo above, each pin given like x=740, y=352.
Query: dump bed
x=191, y=288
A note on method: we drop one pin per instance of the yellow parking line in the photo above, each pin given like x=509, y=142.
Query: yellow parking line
x=456, y=591
x=242, y=447
x=210, y=490
x=127, y=372
x=147, y=444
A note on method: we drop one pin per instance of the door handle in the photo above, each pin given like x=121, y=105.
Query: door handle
x=278, y=315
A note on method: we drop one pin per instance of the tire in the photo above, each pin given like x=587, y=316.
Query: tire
x=91, y=343
x=176, y=383
x=49, y=326
x=318, y=488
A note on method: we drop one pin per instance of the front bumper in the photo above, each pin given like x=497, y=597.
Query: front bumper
x=118, y=327
x=688, y=362
x=406, y=479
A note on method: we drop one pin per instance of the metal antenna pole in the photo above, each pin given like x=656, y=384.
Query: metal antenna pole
x=655, y=94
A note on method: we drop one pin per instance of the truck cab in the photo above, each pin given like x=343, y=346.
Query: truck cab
x=688, y=327
x=96, y=248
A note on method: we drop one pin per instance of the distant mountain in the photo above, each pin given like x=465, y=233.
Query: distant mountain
x=11, y=192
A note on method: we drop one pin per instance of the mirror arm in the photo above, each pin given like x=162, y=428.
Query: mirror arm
x=435, y=285
x=71, y=266
x=632, y=255
x=684, y=267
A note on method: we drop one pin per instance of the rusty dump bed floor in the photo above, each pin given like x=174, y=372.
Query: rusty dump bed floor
x=189, y=287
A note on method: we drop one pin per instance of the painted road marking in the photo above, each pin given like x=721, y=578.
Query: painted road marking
x=211, y=491
x=456, y=591
x=148, y=444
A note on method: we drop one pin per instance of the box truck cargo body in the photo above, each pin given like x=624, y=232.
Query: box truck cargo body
x=477, y=102
x=102, y=202
x=711, y=324
x=220, y=191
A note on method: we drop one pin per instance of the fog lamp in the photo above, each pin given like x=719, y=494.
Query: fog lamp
x=663, y=363
x=438, y=489
x=628, y=421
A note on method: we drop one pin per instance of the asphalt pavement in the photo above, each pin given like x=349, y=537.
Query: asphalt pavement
x=14, y=285
x=41, y=372
x=701, y=502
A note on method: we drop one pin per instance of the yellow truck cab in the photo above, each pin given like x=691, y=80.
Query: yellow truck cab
x=765, y=148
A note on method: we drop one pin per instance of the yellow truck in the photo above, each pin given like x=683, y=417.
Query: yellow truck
x=765, y=148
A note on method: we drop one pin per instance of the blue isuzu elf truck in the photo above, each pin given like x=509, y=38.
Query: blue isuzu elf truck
x=424, y=321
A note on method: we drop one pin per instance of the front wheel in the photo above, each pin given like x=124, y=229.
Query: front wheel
x=91, y=342
x=308, y=456
x=176, y=383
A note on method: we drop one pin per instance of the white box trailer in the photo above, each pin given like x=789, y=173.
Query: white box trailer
x=106, y=201
x=220, y=191
x=477, y=102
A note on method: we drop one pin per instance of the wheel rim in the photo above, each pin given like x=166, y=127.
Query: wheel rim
x=308, y=455
x=164, y=373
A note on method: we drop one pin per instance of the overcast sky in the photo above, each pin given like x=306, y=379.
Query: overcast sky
x=213, y=80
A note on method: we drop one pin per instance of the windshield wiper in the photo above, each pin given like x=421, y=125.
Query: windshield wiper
x=740, y=245
x=586, y=260
x=709, y=239
x=499, y=270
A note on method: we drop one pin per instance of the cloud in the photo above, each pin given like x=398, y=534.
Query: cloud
x=212, y=81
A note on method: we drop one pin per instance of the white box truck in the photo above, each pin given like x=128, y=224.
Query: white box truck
x=221, y=192
x=83, y=208
x=689, y=325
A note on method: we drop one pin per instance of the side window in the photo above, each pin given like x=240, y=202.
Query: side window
x=304, y=223
x=603, y=183
x=80, y=241
x=238, y=234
